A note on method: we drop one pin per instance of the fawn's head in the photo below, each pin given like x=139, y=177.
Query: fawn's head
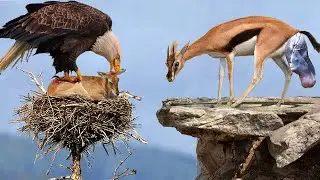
x=175, y=60
x=111, y=82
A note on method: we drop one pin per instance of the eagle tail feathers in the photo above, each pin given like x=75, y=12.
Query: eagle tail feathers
x=17, y=52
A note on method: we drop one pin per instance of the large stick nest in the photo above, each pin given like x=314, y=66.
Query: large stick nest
x=75, y=122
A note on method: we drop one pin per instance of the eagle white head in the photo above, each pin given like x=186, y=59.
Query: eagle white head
x=108, y=46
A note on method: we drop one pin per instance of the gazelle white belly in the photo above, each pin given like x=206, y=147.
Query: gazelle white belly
x=243, y=49
x=246, y=48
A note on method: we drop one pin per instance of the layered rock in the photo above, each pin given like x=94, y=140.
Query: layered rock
x=226, y=135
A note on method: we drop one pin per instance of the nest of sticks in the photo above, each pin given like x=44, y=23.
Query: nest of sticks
x=75, y=122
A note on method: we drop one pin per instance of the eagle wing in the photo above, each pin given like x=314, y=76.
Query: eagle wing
x=45, y=21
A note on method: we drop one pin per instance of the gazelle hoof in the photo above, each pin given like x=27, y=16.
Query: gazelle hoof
x=219, y=102
x=234, y=105
x=230, y=102
x=279, y=103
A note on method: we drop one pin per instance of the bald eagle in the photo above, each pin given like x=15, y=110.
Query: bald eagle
x=65, y=30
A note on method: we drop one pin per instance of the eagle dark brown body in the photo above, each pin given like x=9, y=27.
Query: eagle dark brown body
x=63, y=29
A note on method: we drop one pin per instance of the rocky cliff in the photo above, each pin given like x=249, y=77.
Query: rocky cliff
x=257, y=140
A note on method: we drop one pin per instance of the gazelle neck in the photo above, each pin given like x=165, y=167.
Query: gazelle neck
x=195, y=49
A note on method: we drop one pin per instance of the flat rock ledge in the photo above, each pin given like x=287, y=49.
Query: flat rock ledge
x=225, y=136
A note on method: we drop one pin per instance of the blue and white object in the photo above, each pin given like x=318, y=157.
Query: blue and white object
x=299, y=62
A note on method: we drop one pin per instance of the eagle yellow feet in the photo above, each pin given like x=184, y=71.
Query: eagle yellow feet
x=67, y=77
x=78, y=78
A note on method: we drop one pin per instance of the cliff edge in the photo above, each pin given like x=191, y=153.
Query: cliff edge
x=257, y=140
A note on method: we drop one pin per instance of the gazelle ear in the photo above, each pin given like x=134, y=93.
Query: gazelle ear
x=121, y=71
x=185, y=47
x=103, y=74
x=109, y=74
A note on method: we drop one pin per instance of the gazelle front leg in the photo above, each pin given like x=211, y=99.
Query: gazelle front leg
x=230, y=60
x=222, y=67
x=287, y=73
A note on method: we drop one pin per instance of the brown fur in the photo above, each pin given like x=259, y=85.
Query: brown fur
x=219, y=37
x=97, y=88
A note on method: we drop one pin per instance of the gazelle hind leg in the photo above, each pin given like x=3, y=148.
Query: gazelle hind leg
x=222, y=67
x=257, y=76
x=287, y=73
x=230, y=63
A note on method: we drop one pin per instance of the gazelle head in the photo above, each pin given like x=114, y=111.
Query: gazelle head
x=112, y=82
x=175, y=60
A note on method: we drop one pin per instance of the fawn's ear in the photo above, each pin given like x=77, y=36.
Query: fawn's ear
x=109, y=74
x=121, y=71
x=103, y=74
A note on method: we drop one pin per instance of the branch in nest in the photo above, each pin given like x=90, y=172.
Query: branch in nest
x=126, y=172
x=60, y=178
x=39, y=83
x=127, y=94
x=138, y=137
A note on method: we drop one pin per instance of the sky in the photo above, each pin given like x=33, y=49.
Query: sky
x=145, y=29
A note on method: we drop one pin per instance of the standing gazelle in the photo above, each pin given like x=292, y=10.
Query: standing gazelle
x=260, y=36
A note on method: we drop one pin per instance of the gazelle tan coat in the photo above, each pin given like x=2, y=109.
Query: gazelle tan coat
x=94, y=87
x=260, y=36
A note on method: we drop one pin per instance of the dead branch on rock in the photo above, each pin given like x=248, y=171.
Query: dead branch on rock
x=245, y=166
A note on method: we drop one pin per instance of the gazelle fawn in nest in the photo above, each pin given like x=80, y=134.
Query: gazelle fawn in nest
x=262, y=37
x=94, y=87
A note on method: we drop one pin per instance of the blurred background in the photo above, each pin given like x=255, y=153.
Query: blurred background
x=145, y=29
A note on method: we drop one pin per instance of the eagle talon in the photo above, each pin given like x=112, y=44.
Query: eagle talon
x=66, y=79
x=77, y=79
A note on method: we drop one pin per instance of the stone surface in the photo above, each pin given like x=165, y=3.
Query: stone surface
x=225, y=136
x=290, y=142
x=202, y=118
x=220, y=161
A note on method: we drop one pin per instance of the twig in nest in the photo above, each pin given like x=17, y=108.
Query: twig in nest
x=126, y=172
x=65, y=167
x=60, y=178
x=244, y=166
x=127, y=94
x=34, y=79
x=137, y=136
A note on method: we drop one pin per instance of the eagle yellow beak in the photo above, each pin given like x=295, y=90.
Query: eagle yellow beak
x=116, y=65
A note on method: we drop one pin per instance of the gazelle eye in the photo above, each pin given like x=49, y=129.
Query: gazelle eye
x=176, y=64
